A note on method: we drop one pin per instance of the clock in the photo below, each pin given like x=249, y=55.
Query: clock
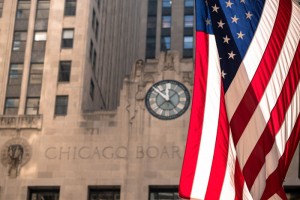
x=167, y=99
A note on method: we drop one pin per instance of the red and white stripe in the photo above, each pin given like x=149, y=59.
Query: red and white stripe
x=251, y=135
x=209, y=164
x=265, y=109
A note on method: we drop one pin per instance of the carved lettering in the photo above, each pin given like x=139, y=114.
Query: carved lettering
x=110, y=152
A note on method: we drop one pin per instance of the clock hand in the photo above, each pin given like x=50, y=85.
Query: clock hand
x=168, y=86
x=163, y=95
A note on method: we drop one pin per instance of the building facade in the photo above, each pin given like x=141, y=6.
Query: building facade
x=74, y=78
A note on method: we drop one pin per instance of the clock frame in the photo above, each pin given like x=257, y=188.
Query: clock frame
x=167, y=99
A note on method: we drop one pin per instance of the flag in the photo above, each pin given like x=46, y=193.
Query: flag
x=244, y=124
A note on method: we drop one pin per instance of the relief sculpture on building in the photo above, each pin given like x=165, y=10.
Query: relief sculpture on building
x=14, y=154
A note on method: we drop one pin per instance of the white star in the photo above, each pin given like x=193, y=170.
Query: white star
x=249, y=15
x=226, y=39
x=234, y=19
x=228, y=4
x=240, y=35
x=221, y=24
x=223, y=74
x=231, y=55
x=243, y=1
x=207, y=21
x=215, y=8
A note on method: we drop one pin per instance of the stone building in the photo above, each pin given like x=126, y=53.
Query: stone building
x=74, y=77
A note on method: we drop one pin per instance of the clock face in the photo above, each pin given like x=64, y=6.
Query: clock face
x=167, y=99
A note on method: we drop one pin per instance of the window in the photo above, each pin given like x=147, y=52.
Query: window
x=94, y=59
x=1, y=7
x=39, y=46
x=150, y=51
x=166, y=21
x=43, y=9
x=166, y=3
x=156, y=193
x=61, y=105
x=188, y=42
x=97, y=29
x=188, y=21
x=67, y=38
x=64, y=71
x=104, y=194
x=92, y=89
x=36, y=74
x=188, y=45
x=98, y=4
x=189, y=3
x=43, y=194
x=40, y=36
x=23, y=10
x=151, y=29
x=93, y=19
x=292, y=192
x=165, y=43
x=19, y=42
x=11, y=106
x=32, y=106
x=91, y=50
x=15, y=74
x=151, y=22
x=70, y=8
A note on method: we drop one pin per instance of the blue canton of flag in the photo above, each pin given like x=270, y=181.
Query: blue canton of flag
x=234, y=24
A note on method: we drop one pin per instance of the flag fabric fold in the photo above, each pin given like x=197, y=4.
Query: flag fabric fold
x=244, y=124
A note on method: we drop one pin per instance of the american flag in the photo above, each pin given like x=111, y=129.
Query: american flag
x=244, y=124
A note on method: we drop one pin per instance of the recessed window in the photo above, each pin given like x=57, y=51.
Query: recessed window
x=64, y=71
x=188, y=42
x=166, y=21
x=15, y=74
x=98, y=4
x=93, y=19
x=1, y=7
x=166, y=3
x=189, y=3
x=43, y=9
x=44, y=194
x=151, y=23
x=94, y=59
x=188, y=21
x=160, y=193
x=19, y=42
x=150, y=49
x=11, y=106
x=104, y=194
x=40, y=36
x=70, y=8
x=165, y=43
x=97, y=29
x=67, y=38
x=32, y=106
x=92, y=89
x=91, y=50
x=23, y=10
x=36, y=74
x=61, y=105
x=292, y=192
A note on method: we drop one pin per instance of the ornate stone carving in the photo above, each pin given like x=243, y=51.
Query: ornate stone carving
x=138, y=70
x=140, y=95
x=187, y=77
x=14, y=154
x=21, y=122
x=171, y=61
